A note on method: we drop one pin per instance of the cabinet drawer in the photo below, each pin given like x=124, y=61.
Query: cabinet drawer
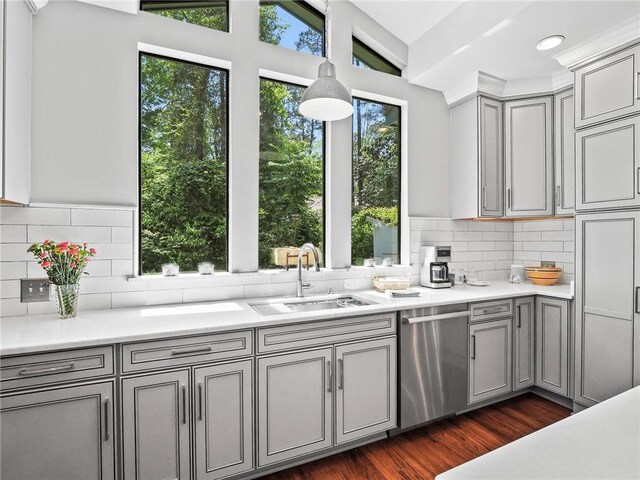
x=175, y=352
x=486, y=310
x=47, y=368
x=274, y=339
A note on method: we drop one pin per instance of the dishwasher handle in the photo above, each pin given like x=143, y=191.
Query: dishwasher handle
x=432, y=318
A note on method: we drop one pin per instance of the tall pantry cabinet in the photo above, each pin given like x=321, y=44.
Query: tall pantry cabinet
x=607, y=119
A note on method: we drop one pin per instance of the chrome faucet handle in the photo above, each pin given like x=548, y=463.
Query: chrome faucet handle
x=330, y=292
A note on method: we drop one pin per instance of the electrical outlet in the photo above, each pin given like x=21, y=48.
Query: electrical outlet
x=547, y=263
x=34, y=290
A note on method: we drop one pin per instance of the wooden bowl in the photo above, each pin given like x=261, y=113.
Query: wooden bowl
x=543, y=275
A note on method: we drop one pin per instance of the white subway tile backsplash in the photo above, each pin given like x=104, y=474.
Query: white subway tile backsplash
x=145, y=298
x=121, y=267
x=113, y=251
x=212, y=294
x=10, y=289
x=100, y=301
x=10, y=307
x=103, y=217
x=34, y=216
x=467, y=236
x=13, y=233
x=15, y=252
x=482, y=226
x=13, y=270
x=564, y=235
x=58, y=233
x=122, y=235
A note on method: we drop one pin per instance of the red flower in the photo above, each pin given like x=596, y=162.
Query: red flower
x=62, y=248
x=84, y=244
x=73, y=265
x=73, y=252
x=63, y=245
x=43, y=255
x=46, y=264
x=92, y=251
x=46, y=241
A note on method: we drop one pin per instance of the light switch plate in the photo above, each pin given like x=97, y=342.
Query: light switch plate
x=34, y=290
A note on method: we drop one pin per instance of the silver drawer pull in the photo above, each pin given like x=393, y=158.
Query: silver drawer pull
x=187, y=351
x=488, y=311
x=45, y=371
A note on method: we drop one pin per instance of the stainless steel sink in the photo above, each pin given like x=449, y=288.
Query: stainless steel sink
x=312, y=305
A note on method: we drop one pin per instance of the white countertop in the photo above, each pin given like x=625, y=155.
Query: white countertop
x=39, y=333
x=602, y=442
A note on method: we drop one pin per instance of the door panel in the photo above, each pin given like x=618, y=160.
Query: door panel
x=155, y=418
x=552, y=345
x=607, y=165
x=565, y=158
x=294, y=405
x=489, y=359
x=223, y=419
x=61, y=434
x=528, y=157
x=491, y=158
x=366, y=389
x=523, y=345
x=607, y=271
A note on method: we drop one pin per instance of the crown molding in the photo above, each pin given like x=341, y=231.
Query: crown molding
x=35, y=6
x=478, y=82
x=621, y=35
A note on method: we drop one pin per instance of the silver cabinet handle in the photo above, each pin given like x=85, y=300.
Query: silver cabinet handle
x=187, y=351
x=107, y=402
x=184, y=405
x=558, y=195
x=638, y=179
x=637, y=85
x=341, y=376
x=330, y=376
x=637, y=299
x=484, y=197
x=199, y=401
x=45, y=371
x=508, y=198
x=431, y=318
x=473, y=345
x=519, y=315
x=487, y=311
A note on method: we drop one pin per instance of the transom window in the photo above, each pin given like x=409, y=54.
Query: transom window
x=292, y=24
x=206, y=13
x=367, y=58
x=183, y=164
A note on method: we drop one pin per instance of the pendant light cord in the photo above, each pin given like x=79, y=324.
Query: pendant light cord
x=326, y=29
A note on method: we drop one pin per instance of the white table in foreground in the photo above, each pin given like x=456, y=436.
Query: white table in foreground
x=602, y=442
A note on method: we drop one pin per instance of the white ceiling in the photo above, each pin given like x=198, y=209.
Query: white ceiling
x=449, y=41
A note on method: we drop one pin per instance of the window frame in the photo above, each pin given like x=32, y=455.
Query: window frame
x=263, y=76
x=389, y=67
x=191, y=4
x=401, y=112
x=227, y=72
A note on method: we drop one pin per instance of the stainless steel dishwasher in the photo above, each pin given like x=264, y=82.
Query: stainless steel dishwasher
x=433, y=363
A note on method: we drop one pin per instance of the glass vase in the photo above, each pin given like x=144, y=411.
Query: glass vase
x=66, y=299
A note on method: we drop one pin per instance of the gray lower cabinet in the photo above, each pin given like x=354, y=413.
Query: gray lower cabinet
x=155, y=426
x=608, y=166
x=58, y=434
x=223, y=419
x=490, y=359
x=564, y=149
x=529, y=157
x=294, y=404
x=366, y=389
x=552, y=345
x=608, y=88
x=523, y=343
x=607, y=339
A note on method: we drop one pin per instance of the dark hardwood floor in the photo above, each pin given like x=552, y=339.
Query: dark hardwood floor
x=423, y=453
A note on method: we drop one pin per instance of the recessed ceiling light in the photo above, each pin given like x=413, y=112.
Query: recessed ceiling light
x=550, y=42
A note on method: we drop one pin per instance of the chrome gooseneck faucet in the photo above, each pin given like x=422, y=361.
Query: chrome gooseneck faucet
x=316, y=263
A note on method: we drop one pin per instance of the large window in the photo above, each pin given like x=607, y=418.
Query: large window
x=206, y=13
x=291, y=172
x=292, y=24
x=183, y=164
x=367, y=58
x=375, y=222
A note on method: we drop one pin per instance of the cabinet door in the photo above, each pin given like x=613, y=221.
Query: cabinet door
x=61, y=434
x=491, y=158
x=565, y=158
x=223, y=419
x=366, y=393
x=607, y=277
x=489, y=359
x=155, y=422
x=607, y=166
x=529, y=157
x=608, y=88
x=523, y=341
x=552, y=345
x=294, y=405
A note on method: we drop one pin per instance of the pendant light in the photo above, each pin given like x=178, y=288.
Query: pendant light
x=326, y=99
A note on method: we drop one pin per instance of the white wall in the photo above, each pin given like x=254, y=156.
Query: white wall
x=85, y=113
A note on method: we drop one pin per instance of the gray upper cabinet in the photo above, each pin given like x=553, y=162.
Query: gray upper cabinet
x=477, y=164
x=59, y=434
x=608, y=165
x=294, y=405
x=490, y=361
x=608, y=88
x=523, y=343
x=529, y=157
x=564, y=149
x=223, y=419
x=552, y=345
x=366, y=389
x=607, y=318
x=15, y=116
x=155, y=422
